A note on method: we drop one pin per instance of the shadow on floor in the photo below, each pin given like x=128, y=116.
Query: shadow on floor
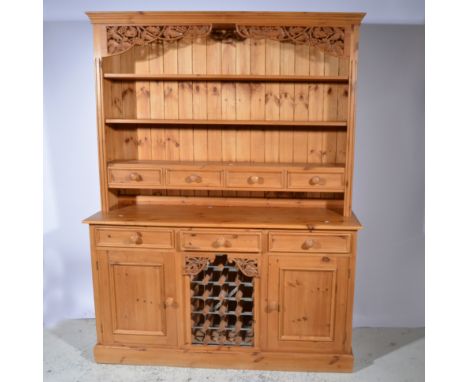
x=80, y=334
x=369, y=344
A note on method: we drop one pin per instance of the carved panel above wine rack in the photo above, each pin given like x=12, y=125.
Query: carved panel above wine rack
x=194, y=265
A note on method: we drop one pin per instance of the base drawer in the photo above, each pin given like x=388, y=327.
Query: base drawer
x=134, y=237
x=226, y=241
x=305, y=242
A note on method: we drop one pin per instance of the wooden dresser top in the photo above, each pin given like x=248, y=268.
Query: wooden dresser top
x=226, y=217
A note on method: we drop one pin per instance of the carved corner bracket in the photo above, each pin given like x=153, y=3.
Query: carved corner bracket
x=249, y=267
x=123, y=37
x=194, y=265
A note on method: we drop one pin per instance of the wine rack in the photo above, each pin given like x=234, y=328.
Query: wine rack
x=222, y=305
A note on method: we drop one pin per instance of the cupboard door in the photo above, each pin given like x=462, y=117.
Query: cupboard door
x=306, y=307
x=138, y=297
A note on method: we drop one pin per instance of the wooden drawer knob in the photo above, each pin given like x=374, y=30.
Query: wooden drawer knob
x=308, y=244
x=314, y=180
x=325, y=259
x=136, y=238
x=193, y=179
x=135, y=177
x=221, y=242
x=254, y=179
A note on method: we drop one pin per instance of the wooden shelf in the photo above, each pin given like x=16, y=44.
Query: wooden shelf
x=226, y=217
x=148, y=164
x=225, y=77
x=219, y=122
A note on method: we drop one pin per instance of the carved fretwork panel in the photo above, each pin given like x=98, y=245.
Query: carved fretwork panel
x=222, y=302
x=123, y=37
x=329, y=39
x=248, y=267
x=194, y=265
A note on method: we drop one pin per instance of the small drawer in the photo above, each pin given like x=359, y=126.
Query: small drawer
x=332, y=182
x=134, y=237
x=220, y=241
x=194, y=179
x=254, y=179
x=134, y=178
x=305, y=242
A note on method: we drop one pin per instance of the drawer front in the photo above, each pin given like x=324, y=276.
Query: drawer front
x=305, y=242
x=135, y=178
x=254, y=179
x=220, y=241
x=194, y=179
x=134, y=237
x=316, y=181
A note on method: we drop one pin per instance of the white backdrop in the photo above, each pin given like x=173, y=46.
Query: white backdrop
x=389, y=180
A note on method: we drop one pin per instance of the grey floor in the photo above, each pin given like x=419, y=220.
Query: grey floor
x=381, y=354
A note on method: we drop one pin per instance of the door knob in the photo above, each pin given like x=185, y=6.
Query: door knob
x=272, y=306
x=170, y=302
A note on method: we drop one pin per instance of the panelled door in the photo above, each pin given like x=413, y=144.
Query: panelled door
x=137, y=290
x=307, y=302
